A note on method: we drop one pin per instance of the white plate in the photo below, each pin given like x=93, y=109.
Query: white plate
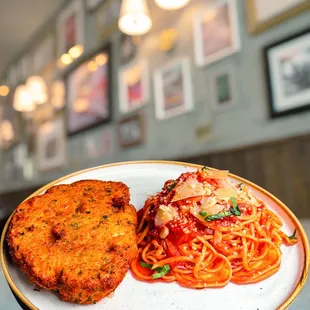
x=147, y=178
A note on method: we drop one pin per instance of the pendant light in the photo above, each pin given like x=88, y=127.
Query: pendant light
x=134, y=17
x=37, y=89
x=171, y=4
x=22, y=100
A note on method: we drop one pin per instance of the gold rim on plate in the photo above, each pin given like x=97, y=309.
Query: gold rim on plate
x=297, y=224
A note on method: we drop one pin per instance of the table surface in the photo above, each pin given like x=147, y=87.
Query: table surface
x=302, y=302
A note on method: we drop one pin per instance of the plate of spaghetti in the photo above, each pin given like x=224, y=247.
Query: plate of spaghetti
x=207, y=239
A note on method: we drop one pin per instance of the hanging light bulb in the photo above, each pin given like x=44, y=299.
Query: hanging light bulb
x=76, y=51
x=37, y=89
x=58, y=94
x=22, y=100
x=134, y=17
x=171, y=4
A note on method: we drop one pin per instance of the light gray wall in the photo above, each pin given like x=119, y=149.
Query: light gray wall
x=245, y=124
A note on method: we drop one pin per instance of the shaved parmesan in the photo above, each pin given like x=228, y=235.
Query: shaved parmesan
x=190, y=188
x=225, y=193
x=164, y=215
x=211, y=206
x=216, y=174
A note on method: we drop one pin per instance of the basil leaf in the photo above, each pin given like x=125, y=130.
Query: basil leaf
x=235, y=209
x=143, y=264
x=218, y=216
x=171, y=186
x=202, y=213
x=205, y=168
x=293, y=236
x=161, y=271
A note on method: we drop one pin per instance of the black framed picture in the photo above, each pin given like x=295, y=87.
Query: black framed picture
x=287, y=65
x=88, y=92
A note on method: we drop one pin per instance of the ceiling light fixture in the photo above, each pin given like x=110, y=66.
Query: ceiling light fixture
x=22, y=100
x=4, y=90
x=37, y=89
x=172, y=4
x=134, y=17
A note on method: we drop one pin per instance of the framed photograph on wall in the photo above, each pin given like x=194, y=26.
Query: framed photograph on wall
x=133, y=86
x=216, y=33
x=107, y=17
x=263, y=14
x=51, y=145
x=288, y=74
x=223, y=88
x=131, y=131
x=128, y=49
x=70, y=27
x=173, y=89
x=88, y=92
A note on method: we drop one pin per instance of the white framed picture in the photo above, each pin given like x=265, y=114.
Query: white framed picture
x=70, y=27
x=51, y=145
x=216, y=33
x=173, y=89
x=223, y=88
x=133, y=86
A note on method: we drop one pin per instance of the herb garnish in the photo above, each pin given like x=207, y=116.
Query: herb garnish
x=160, y=271
x=218, y=216
x=235, y=209
x=171, y=186
x=143, y=264
x=293, y=236
x=202, y=213
x=205, y=168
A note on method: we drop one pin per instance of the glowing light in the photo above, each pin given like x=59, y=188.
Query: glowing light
x=134, y=17
x=4, y=90
x=66, y=59
x=76, y=51
x=80, y=105
x=101, y=59
x=22, y=100
x=92, y=66
x=172, y=4
x=37, y=89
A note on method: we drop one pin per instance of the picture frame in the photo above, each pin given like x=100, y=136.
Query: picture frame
x=128, y=49
x=216, y=33
x=51, y=145
x=70, y=27
x=133, y=86
x=287, y=70
x=223, y=88
x=264, y=14
x=131, y=131
x=107, y=16
x=173, y=89
x=89, y=91
x=92, y=5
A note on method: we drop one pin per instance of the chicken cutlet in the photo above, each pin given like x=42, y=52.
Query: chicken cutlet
x=77, y=240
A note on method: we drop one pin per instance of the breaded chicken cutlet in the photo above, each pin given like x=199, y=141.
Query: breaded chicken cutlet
x=77, y=240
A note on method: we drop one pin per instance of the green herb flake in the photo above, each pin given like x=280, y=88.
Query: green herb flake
x=161, y=271
x=172, y=186
x=293, y=236
x=205, y=168
x=218, y=216
x=202, y=213
x=235, y=209
x=146, y=265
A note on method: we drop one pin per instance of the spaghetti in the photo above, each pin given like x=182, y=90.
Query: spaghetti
x=203, y=230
